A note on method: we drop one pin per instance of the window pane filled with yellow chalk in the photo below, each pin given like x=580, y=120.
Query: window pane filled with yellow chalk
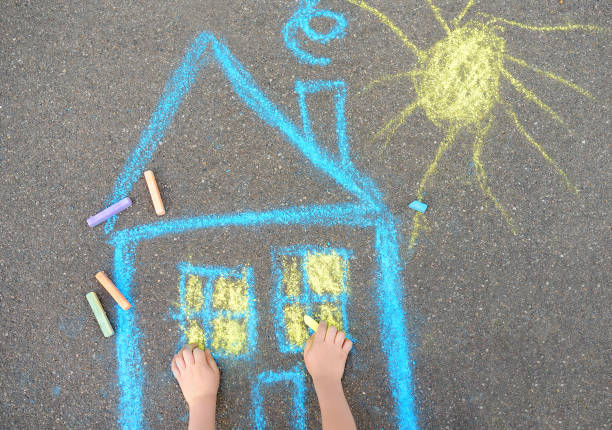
x=325, y=272
x=216, y=309
x=331, y=313
x=230, y=294
x=295, y=328
x=309, y=281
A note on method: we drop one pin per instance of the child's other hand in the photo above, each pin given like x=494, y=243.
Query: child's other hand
x=325, y=354
x=197, y=374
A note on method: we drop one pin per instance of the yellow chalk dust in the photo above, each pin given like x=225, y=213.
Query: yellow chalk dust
x=194, y=333
x=325, y=272
x=230, y=294
x=546, y=28
x=295, y=327
x=482, y=176
x=459, y=80
x=191, y=307
x=193, y=295
x=331, y=314
x=457, y=83
x=229, y=335
x=292, y=276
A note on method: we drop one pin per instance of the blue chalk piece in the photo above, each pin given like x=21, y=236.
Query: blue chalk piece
x=109, y=212
x=418, y=206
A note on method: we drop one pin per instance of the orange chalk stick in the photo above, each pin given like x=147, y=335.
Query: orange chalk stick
x=112, y=290
x=158, y=204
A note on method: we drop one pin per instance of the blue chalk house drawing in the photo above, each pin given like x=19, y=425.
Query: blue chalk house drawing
x=366, y=211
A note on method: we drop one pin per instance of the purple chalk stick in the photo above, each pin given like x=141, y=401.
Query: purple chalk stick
x=109, y=212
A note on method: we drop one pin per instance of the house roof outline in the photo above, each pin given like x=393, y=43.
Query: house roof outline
x=341, y=169
x=368, y=211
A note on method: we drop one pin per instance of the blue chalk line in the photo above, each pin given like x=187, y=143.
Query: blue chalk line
x=207, y=313
x=300, y=20
x=307, y=298
x=368, y=212
x=295, y=377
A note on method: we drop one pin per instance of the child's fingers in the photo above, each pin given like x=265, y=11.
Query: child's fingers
x=188, y=354
x=178, y=359
x=308, y=345
x=340, y=338
x=199, y=356
x=211, y=361
x=175, y=369
x=346, y=347
x=319, y=335
x=331, y=334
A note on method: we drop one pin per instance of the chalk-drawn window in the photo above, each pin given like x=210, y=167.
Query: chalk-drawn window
x=309, y=280
x=216, y=309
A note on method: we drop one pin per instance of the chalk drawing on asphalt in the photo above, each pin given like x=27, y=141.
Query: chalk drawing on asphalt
x=209, y=293
x=220, y=302
x=457, y=85
x=309, y=281
x=300, y=21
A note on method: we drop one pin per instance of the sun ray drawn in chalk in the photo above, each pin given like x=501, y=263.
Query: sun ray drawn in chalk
x=457, y=85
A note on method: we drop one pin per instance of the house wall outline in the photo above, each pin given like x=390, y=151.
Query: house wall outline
x=368, y=212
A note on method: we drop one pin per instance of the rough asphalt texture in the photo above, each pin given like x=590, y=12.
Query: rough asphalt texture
x=507, y=331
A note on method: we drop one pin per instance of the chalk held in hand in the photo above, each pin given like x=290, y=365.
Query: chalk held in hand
x=418, y=206
x=98, y=310
x=112, y=290
x=310, y=322
x=158, y=204
x=109, y=212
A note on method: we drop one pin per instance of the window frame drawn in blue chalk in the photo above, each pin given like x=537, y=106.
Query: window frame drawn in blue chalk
x=296, y=376
x=208, y=313
x=307, y=297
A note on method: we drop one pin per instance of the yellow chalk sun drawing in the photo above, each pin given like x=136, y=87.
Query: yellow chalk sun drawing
x=457, y=84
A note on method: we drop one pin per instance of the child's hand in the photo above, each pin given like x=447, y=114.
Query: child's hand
x=325, y=354
x=197, y=374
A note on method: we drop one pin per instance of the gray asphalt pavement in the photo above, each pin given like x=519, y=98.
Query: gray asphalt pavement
x=504, y=330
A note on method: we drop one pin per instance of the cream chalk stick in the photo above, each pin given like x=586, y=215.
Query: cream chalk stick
x=311, y=323
x=158, y=204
